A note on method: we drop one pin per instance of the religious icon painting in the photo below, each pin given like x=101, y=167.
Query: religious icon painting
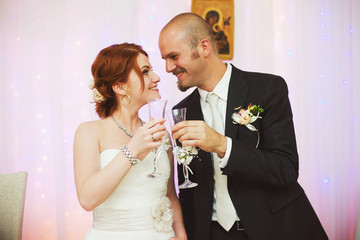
x=219, y=14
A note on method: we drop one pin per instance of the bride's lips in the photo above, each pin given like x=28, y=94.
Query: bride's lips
x=154, y=88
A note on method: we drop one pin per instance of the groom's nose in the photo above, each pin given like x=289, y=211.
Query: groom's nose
x=170, y=66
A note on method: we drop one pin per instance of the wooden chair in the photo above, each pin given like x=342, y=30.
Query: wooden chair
x=12, y=201
x=357, y=233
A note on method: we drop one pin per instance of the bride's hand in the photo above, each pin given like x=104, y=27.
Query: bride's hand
x=147, y=137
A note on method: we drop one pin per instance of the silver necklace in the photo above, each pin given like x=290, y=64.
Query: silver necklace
x=124, y=129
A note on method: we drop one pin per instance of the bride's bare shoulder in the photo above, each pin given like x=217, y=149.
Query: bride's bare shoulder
x=91, y=124
x=90, y=127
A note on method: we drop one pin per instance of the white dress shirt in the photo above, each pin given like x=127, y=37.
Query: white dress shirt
x=221, y=90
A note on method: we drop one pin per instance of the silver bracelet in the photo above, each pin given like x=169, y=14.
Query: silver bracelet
x=129, y=155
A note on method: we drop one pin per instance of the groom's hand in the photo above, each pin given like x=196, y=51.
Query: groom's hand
x=199, y=134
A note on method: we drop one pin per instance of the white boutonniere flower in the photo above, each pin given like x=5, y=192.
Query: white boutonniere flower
x=247, y=116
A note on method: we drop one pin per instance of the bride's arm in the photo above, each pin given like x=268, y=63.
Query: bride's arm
x=93, y=185
x=178, y=224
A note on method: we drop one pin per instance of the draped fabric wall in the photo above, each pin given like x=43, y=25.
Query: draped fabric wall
x=47, y=48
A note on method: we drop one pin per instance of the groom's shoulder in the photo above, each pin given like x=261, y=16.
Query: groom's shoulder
x=251, y=75
x=188, y=100
x=256, y=77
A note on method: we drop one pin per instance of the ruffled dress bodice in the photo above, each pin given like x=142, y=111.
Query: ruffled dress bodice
x=138, y=208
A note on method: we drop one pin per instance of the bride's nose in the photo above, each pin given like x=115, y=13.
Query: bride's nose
x=155, y=78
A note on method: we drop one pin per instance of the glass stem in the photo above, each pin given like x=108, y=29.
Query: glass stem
x=155, y=165
x=185, y=172
x=156, y=158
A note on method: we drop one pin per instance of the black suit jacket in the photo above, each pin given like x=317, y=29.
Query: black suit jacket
x=262, y=182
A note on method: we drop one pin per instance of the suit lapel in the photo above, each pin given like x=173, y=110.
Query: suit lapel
x=193, y=111
x=236, y=97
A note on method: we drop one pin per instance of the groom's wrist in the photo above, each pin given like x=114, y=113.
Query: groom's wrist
x=221, y=147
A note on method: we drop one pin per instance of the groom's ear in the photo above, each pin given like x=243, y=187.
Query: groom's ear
x=120, y=88
x=204, y=47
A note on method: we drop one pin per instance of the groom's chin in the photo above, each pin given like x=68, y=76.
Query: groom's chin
x=181, y=87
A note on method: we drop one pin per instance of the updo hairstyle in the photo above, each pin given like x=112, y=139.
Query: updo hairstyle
x=113, y=65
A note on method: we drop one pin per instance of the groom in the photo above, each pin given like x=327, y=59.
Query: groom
x=248, y=167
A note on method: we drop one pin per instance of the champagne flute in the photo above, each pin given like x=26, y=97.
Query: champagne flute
x=179, y=115
x=156, y=110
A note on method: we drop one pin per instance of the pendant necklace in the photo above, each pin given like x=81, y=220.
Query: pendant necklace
x=124, y=129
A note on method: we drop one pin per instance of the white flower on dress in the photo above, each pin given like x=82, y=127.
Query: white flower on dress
x=163, y=215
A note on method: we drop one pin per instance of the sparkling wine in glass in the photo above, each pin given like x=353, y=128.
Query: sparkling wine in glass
x=157, y=110
x=179, y=115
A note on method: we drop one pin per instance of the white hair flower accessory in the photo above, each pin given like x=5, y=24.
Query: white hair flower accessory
x=247, y=116
x=96, y=95
x=92, y=84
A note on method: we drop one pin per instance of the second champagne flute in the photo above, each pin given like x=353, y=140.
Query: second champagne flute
x=156, y=110
x=183, y=155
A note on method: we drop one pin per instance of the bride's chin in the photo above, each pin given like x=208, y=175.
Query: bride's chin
x=157, y=96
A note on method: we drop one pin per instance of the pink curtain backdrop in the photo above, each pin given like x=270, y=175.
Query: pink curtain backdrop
x=47, y=48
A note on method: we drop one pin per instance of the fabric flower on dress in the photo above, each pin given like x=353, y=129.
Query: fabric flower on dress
x=163, y=215
x=247, y=116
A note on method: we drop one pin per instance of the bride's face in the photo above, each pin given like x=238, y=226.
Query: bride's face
x=151, y=81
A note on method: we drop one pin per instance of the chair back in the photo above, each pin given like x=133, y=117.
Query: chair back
x=357, y=233
x=12, y=200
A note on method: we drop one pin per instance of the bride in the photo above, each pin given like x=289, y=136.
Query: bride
x=112, y=156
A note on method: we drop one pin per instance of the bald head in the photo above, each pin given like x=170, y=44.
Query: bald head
x=194, y=27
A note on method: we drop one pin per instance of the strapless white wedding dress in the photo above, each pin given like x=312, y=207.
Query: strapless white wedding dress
x=138, y=208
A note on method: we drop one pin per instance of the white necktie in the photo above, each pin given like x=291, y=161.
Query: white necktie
x=225, y=211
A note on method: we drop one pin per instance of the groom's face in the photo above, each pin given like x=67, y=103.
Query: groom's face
x=181, y=60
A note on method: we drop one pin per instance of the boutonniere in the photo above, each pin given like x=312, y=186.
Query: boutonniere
x=247, y=116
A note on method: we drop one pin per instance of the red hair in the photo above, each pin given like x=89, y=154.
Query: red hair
x=113, y=65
